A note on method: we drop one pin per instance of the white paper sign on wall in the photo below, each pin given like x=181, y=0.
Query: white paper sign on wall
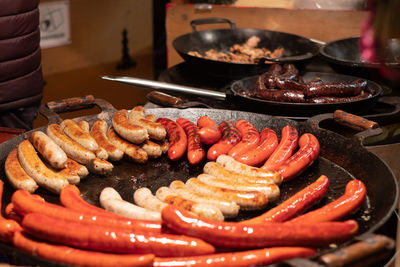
x=54, y=24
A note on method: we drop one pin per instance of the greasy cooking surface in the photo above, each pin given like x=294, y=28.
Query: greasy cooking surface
x=340, y=159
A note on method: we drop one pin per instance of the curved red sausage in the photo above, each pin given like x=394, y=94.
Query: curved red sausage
x=8, y=227
x=285, y=148
x=208, y=130
x=237, y=235
x=230, y=137
x=177, y=138
x=296, y=204
x=350, y=201
x=299, y=161
x=195, y=151
x=250, y=139
x=256, y=156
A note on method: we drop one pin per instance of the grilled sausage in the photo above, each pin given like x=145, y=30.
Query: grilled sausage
x=219, y=171
x=84, y=125
x=73, y=149
x=70, y=175
x=282, y=95
x=132, y=132
x=207, y=211
x=233, y=165
x=155, y=130
x=73, y=131
x=230, y=137
x=256, y=156
x=99, y=133
x=247, y=200
x=335, y=89
x=296, y=204
x=271, y=191
x=208, y=130
x=152, y=149
x=177, y=138
x=228, y=208
x=250, y=139
x=255, y=257
x=101, y=153
x=287, y=145
x=101, y=166
x=131, y=151
x=236, y=235
x=195, y=151
x=50, y=151
x=145, y=199
x=112, y=239
x=36, y=169
x=74, y=167
x=16, y=175
x=112, y=201
x=78, y=257
x=299, y=161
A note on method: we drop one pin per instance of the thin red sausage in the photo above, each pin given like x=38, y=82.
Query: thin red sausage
x=230, y=137
x=25, y=203
x=285, y=148
x=78, y=257
x=250, y=139
x=350, y=201
x=195, y=151
x=238, y=259
x=8, y=227
x=296, y=204
x=236, y=235
x=177, y=138
x=299, y=161
x=112, y=239
x=256, y=156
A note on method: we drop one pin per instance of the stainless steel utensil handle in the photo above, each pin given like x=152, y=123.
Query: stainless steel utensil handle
x=166, y=86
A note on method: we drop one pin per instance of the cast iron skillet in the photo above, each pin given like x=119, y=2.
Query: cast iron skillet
x=297, y=49
x=266, y=106
x=341, y=159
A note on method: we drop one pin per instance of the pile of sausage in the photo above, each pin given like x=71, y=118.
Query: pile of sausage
x=284, y=84
x=69, y=150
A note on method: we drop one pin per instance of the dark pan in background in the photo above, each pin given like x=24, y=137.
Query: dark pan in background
x=297, y=49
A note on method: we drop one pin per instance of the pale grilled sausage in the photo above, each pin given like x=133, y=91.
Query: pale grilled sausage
x=202, y=210
x=152, y=149
x=50, y=151
x=70, y=175
x=73, y=131
x=228, y=208
x=76, y=168
x=155, y=130
x=73, y=149
x=84, y=125
x=36, y=169
x=101, y=153
x=111, y=200
x=233, y=165
x=132, y=152
x=132, y=132
x=101, y=166
x=145, y=199
x=16, y=175
x=247, y=200
x=271, y=191
x=99, y=133
x=219, y=171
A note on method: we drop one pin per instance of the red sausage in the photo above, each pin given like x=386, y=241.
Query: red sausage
x=238, y=259
x=195, y=151
x=237, y=235
x=208, y=130
x=25, y=203
x=250, y=139
x=256, y=156
x=352, y=199
x=296, y=204
x=230, y=137
x=112, y=239
x=78, y=257
x=7, y=227
x=299, y=161
x=177, y=138
x=285, y=148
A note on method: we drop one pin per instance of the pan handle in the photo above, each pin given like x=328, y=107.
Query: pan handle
x=51, y=110
x=196, y=22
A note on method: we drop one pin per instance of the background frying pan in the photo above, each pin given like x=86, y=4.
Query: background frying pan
x=341, y=159
x=265, y=106
x=297, y=49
